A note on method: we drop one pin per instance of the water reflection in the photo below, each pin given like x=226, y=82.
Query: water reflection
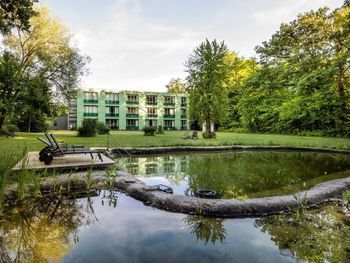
x=45, y=230
x=322, y=236
x=206, y=228
x=241, y=174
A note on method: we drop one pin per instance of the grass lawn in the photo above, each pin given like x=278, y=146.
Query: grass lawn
x=172, y=138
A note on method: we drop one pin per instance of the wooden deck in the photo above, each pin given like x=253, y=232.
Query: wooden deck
x=71, y=161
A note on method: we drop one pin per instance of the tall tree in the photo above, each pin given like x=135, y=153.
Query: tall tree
x=176, y=86
x=207, y=76
x=15, y=13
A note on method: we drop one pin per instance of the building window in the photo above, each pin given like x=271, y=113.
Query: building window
x=183, y=101
x=132, y=110
x=90, y=111
x=169, y=100
x=151, y=123
x=112, y=98
x=152, y=112
x=169, y=124
x=112, y=111
x=183, y=125
x=90, y=97
x=151, y=168
x=183, y=113
x=151, y=100
x=132, y=124
x=133, y=98
x=112, y=123
x=169, y=113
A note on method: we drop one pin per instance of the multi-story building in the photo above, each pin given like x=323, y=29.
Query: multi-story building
x=130, y=110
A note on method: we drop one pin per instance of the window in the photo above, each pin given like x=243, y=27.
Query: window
x=112, y=123
x=169, y=111
x=183, y=101
x=151, y=123
x=91, y=95
x=169, y=167
x=151, y=100
x=112, y=110
x=132, y=110
x=169, y=100
x=151, y=168
x=91, y=109
x=133, y=98
x=112, y=96
x=169, y=123
x=183, y=113
x=183, y=125
x=152, y=112
x=132, y=123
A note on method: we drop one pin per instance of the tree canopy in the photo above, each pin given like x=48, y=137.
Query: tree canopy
x=176, y=86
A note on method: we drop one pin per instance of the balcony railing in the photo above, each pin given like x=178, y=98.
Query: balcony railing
x=131, y=102
x=169, y=116
x=131, y=115
x=183, y=127
x=112, y=114
x=169, y=128
x=183, y=104
x=114, y=127
x=151, y=102
x=112, y=102
x=152, y=115
x=132, y=128
x=183, y=116
x=169, y=103
x=91, y=101
x=90, y=114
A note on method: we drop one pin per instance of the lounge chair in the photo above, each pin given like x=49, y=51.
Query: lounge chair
x=186, y=135
x=53, y=148
x=195, y=135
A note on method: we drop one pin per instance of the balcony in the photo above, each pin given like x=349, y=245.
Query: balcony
x=91, y=101
x=183, y=116
x=151, y=103
x=152, y=115
x=90, y=114
x=132, y=128
x=169, y=116
x=112, y=102
x=114, y=127
x=131, y=102
x=169, y=103
x=112, y=114
x=184, y=105
x=130, y=115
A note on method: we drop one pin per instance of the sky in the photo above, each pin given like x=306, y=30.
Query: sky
x=142, y=44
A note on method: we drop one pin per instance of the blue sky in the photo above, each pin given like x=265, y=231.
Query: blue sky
x=142, y=44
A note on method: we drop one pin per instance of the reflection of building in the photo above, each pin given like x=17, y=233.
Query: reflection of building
x=156, y=166
x=130, y=110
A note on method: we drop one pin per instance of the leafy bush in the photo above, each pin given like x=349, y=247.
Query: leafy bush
x=209, y=135
x=9, y=129
x=88, y=128
x=160, y=129
x=149, y=130
x=102, y=128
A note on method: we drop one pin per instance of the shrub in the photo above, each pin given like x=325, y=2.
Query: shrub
x=9, y=129
x=88, y=128
x=149, y=130
x=102, y=128
x=209, y=135
x=160, y=129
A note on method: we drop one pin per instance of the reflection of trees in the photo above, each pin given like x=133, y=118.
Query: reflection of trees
x=42, y=231
x=240, y=175
x=206, y=228
x=321, y=237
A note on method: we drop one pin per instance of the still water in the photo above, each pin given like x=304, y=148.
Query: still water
x=243, y=174
x=112, y=227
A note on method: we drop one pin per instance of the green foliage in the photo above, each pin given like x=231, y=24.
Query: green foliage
x=302, y=86
x=149, y=130
x=208, y=135
x=301, y=205
x=208, y=74
x=176, y=86
x=88, y=128
x=15, y=13
x=346, y=196
x=102, y=128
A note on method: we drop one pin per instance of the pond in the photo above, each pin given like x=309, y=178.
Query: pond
x=112, y=227
x=240, y=174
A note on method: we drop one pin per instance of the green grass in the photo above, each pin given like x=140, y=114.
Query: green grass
x=172, y=138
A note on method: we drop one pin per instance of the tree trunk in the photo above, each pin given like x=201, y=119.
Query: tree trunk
x=30, y=122
x=2, y=119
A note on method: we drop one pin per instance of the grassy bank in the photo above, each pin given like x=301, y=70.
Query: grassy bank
x=18, y=143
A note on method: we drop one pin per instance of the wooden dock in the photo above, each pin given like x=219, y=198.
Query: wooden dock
x=69, y=161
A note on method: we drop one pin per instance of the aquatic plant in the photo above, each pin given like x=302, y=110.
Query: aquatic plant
x=5, y=170
x=301, y=205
